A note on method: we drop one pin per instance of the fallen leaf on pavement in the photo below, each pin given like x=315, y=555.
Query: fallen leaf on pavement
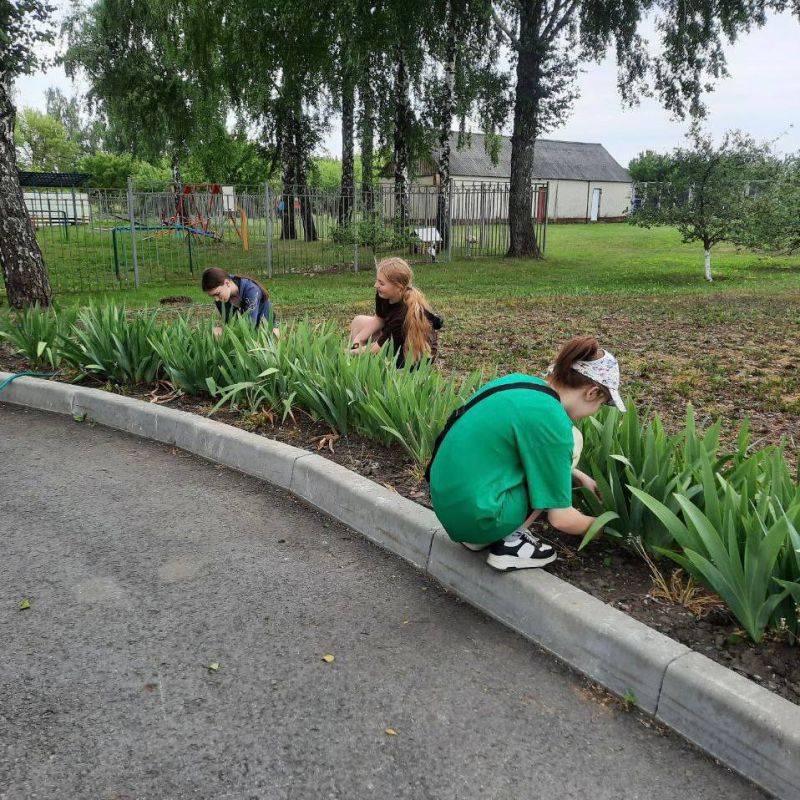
x=390, y=732
x=328, y=658
x=24, y=604
x=213, y=666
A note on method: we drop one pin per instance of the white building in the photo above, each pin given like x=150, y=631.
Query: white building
x=584, y=182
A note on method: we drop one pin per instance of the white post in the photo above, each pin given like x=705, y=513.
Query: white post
x=709, y=276
x=133, y=233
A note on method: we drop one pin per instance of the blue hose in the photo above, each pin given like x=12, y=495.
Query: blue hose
x=16, y=375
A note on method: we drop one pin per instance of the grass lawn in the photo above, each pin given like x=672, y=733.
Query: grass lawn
x=730, y=347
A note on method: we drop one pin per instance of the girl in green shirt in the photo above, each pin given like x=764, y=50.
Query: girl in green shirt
x=511, y=457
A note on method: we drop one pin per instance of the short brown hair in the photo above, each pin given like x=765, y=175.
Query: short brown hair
x=581, y=348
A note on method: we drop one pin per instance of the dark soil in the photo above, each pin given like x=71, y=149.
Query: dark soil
x=606, y=571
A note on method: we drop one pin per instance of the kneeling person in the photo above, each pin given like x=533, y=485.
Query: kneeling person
x=402, y=317
x=237, y=294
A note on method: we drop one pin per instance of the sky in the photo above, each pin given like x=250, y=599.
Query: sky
x=761, y=96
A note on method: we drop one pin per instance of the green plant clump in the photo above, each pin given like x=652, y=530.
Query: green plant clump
x=107, y=343
x=36, y=333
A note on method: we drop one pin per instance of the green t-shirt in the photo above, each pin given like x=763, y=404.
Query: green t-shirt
x=509, y=454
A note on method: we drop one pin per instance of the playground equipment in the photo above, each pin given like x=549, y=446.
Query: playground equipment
x=205, y=210
x=197, y=213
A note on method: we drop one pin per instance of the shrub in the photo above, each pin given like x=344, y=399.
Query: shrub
x=371, y=231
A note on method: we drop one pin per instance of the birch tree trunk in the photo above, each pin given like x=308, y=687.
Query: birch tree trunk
x=21, y=259
x=402, y=114
x=367, y=98
x=523, y=138
x=709, y=276
x=348, y=163
x=448, y=103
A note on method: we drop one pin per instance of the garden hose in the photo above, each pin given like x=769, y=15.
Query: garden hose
x=16, y=375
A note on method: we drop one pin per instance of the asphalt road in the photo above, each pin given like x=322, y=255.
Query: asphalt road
x=143, y=565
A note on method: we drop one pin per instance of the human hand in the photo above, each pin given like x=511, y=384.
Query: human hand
x=217, y=331
x=582, y=479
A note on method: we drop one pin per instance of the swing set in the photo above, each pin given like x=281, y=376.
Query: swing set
x=197, y=213
x=202, y=212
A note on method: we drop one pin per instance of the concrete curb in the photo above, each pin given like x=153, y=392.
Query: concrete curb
x=747, y=727
x=622, y=654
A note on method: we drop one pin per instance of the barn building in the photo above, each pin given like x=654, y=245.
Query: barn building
x=584, y=182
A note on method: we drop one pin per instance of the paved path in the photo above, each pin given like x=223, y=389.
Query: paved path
x=144, y=564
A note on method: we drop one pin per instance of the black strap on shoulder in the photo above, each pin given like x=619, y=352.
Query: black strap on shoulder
x=459, y=412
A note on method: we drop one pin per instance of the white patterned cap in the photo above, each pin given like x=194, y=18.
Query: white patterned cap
x=605, y=371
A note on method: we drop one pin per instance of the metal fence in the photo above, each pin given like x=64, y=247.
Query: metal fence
x=104, y=239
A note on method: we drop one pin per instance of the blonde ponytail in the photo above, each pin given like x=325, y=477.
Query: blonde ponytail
x=417, y=328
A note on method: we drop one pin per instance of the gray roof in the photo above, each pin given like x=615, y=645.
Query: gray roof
x=53, y=179
x=552, y=160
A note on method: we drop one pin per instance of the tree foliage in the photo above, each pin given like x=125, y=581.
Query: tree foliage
x=25, y=26
x=86, y=131
x=711, y=192
x=776, y=214
x=650, y=167
x=43, y=143
x=135, y=58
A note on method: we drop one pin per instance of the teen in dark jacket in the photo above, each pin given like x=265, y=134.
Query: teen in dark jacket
x=237, y=294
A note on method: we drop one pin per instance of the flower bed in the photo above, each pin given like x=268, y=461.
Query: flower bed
x=729, y=520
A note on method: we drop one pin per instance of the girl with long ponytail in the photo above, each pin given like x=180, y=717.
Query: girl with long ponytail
x=402, y=316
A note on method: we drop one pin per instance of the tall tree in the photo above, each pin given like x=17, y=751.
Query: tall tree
x=366, y=96
x=137, y=63
x=43, y=143
x=549, y=39
x=85, y=132
x=25, y=25
x=403, y=122
x=273, y=61
x=465, y=80
x=347, y=193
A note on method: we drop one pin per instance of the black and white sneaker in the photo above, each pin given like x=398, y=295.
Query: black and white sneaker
x=520, y=550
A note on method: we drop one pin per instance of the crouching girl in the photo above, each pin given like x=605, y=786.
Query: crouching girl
x=237, y=294
x=402, y=316
x=509, y=453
